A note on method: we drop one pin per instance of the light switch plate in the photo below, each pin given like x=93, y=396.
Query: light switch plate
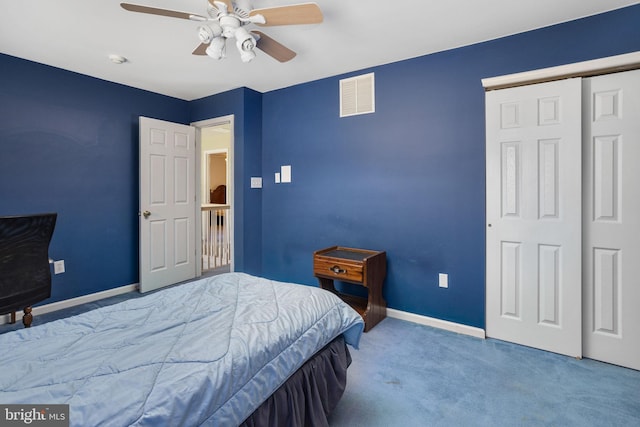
x=285, y=172
x=256, y=182
x=443, y=280
x=277, y=177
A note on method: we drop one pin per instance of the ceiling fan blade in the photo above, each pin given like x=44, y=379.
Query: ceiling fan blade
x=201, y=50
x=273, y=48
x=162, y=12
x=229, y=4
x=304, y=13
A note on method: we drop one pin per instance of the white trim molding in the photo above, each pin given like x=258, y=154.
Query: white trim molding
x=611, y=64
x=55, y=306
x=436, y=323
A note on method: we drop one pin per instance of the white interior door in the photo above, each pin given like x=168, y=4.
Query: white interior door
x=611, y=330
x=534, y=246
x=167, y=203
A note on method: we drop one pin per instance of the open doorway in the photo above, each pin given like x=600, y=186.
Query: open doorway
x=215, y=176
x=216, y=195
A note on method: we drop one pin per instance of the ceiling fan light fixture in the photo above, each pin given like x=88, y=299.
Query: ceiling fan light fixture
x=216, y=49
x=248, y=45
x=247, y=56
x=205, y=34
x=245, y=43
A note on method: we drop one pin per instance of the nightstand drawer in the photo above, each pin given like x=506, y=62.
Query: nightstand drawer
x=339, y=270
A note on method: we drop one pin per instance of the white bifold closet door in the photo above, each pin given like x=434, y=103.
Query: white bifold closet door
x=563, y=217
x=534, y=247
x=611, y=220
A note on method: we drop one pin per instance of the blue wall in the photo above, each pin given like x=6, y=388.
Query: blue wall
x=409, y=179
x=69, y=144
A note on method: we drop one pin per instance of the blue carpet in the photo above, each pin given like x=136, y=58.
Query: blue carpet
x=412, y=375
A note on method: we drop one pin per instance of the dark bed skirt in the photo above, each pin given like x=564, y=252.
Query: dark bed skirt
x=310, y=394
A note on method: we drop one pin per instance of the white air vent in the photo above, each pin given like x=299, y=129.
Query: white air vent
x=357, y=95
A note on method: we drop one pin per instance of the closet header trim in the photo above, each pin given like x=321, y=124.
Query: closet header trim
x=595, y=67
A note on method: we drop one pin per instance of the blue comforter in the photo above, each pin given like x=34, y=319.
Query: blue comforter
x=203, y=353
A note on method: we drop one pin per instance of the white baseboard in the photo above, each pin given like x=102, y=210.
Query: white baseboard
x=436, y=323
x=55, y=306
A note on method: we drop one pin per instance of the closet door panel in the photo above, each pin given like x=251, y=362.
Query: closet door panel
x=534, y=214
x=611, y=153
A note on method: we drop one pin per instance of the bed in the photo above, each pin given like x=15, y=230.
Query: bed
x=222, y=351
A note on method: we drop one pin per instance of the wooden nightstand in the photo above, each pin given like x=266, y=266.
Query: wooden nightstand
x=360, y=266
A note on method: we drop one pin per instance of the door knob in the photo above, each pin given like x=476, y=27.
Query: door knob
x=146, y=214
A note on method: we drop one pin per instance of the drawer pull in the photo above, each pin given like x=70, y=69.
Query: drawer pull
x=336, y=269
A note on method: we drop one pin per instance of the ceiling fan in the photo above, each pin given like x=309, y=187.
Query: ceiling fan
x=227, y=20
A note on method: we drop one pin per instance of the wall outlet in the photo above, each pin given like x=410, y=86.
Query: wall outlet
x=58, y=267
x=443, y=280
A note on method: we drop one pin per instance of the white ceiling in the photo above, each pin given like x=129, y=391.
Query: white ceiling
x=79, y=35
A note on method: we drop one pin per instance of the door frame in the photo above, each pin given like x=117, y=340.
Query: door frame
x=199, y=125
